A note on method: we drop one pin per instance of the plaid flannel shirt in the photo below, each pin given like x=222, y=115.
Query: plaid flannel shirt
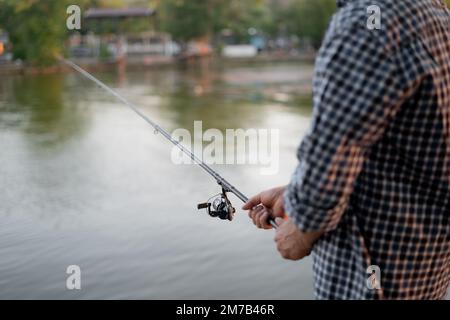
x=374, y=168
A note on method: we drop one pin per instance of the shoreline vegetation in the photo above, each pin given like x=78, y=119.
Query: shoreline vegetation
x=90, y=65
x=156, y=33
x=29, y=44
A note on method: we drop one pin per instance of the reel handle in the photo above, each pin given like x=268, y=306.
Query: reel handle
x=205, y=205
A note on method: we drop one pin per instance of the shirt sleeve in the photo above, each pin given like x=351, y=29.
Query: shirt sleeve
x=358, y=88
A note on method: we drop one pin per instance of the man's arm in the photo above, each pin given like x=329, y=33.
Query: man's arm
x=358, y=89
x=359, y=86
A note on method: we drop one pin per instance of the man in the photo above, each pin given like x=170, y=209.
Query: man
x=372, y=188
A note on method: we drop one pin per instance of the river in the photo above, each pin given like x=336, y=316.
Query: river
x=86, y=182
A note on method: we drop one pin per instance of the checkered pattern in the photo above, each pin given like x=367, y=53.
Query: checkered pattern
x=374, y=169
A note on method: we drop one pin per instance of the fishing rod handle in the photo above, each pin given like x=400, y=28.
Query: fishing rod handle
x=245, y=199
x=272, y=223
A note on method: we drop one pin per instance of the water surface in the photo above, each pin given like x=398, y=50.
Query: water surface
x=84, y=181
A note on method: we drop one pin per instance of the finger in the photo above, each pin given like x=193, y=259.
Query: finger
x=260, y=212
x=263, y=220
x=278, y=208
x=253, y=216
x=254, y=210
x=279, y=221
x=255, y=213
x=257, y=219
x=251, y=213
x=277, y=237
x=252, y=202
x=282, y=252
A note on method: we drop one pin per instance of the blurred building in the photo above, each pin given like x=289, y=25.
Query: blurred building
x=119, y=21
x=116, y=34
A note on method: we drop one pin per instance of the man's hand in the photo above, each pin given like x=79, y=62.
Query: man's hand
x=265, y=205
x=291, y=242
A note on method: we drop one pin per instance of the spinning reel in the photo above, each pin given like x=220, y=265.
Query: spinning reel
x=219, y=206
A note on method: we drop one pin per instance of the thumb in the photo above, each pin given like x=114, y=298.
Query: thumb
x=252, y=202
x=279, y=221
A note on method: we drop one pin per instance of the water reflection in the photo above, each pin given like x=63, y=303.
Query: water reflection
x=40, y=106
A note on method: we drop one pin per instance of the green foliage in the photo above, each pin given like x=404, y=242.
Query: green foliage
x=309, y=19
x=108, y=26
x=37, y=29
x=104, y=53
x=245, y=14
x=187, y=19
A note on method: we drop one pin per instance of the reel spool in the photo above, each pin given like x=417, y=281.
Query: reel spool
x=219, y=206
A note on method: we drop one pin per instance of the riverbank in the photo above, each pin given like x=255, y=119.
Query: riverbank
x=148, y=62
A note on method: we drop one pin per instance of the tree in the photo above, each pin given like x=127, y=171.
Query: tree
x=241, y=15
x=37, y=29
x=309, y=19
x=186, y=20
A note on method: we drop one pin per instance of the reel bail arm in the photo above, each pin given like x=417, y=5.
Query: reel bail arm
x=219, y=206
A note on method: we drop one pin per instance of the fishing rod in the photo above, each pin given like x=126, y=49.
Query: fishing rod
x=217, y=206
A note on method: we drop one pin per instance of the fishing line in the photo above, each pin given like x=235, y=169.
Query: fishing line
x=221, y=207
